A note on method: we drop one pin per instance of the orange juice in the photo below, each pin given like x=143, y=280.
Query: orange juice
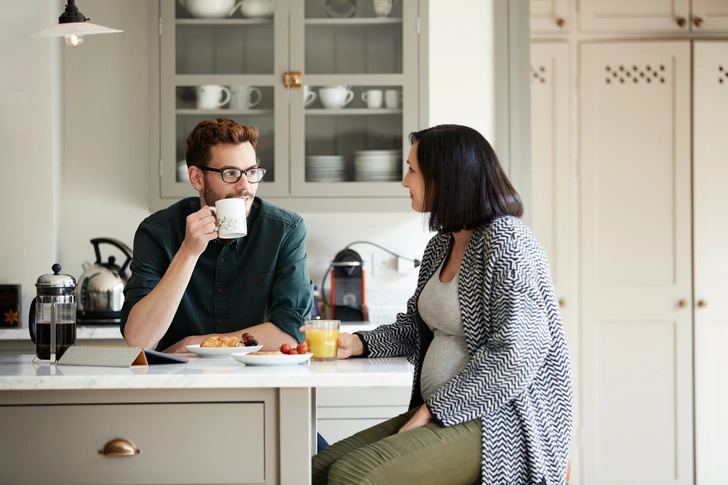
x=323, y=339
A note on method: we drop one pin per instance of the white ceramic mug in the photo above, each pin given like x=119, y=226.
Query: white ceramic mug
x=384, y=7
x=230, y=215
x=373, y=98
x=309, y=96
x=335, y=97
x=209, y=96
x=244, y=97
x=392, y=98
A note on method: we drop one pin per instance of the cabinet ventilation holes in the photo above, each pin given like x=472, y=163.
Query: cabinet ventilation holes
x=538, y=74
x=634, y=74
x=722, y=75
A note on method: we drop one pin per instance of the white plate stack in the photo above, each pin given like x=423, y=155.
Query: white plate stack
x=378, y=165
x=325, y=168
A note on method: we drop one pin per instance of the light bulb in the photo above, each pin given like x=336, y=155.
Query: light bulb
x=74, y=40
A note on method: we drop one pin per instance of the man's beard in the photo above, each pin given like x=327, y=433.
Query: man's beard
x=211, y=196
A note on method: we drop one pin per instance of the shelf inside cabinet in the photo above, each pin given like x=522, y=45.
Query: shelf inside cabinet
x=353, y=22
x=361, y=111
x=223, y=112
x=208, y=22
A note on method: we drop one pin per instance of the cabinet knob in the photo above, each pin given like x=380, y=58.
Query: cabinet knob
x=120, y=447
x=681, y=22
x=702, y=303
x=698, y=22
x=562, y=302
x=560, y=22
x=682, y=303
x=292, y=79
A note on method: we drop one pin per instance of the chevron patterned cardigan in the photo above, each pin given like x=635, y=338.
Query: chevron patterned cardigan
x=518, y=377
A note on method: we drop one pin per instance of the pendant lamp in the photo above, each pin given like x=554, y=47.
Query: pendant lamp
x=73, y=25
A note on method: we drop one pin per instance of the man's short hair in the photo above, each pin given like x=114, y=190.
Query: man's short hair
x=214, y=132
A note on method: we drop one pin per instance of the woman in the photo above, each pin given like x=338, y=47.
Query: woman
x=491, y=400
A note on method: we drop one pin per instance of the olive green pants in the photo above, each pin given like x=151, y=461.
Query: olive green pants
x=431, y=454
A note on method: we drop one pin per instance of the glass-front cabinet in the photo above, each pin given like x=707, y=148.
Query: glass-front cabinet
x=332, y=85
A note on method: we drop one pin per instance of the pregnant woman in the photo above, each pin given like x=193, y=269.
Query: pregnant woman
x=492, y=394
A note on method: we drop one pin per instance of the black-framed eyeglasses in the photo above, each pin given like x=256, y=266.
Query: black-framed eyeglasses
x=232, y=175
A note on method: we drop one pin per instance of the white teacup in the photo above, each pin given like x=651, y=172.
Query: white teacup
x=309, y=95
x=373, y=98
x=392, y=98
x=244, y=97
x=335, y=97
x=230, y=215
x=212, y=96
x=383, y=7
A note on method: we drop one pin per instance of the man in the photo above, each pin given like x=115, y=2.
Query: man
x=188, y=284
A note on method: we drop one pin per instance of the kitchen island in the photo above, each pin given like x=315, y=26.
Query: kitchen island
x=207, y=421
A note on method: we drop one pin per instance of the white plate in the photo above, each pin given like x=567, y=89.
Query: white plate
x=275, y=359
x=221, y=351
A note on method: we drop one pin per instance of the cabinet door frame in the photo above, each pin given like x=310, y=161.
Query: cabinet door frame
x=408, y=80
x=169, y=80
x=622, y=16
x=630, y=313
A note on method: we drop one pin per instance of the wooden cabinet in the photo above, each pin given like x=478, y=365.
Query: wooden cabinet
x=636, y=263
x=653, y=16
x=184, y=442
x=553, y=174
x=710, y=230
x=342, y=412
x=550, y=17
x=311, y=150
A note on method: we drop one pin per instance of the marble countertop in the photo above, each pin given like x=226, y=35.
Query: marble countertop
x=18, y=372
x=113, y=332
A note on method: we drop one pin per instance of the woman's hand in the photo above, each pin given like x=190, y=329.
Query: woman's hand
x=421, y=417
x=349, y=345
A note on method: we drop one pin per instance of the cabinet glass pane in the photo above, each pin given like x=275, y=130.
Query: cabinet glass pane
x=229, y=45
x=348, y=37
x=264, y=149
x=355, y=142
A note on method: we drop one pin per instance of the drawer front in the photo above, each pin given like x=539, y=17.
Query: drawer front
x=180, y=443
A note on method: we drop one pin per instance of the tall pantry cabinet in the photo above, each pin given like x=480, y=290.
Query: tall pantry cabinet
x=632, y=151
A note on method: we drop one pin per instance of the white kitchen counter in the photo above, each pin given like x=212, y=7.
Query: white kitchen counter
x=18, y=372
x=262, y=419
x=105, y=332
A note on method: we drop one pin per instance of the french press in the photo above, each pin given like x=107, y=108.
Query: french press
x=53, y=315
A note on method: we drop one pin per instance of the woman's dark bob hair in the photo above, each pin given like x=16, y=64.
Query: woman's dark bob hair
x=465, y=185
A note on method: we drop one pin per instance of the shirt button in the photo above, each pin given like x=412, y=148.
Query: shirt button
x=219, y=320
x=255, y=280
x=219, y=290
x=222, y=260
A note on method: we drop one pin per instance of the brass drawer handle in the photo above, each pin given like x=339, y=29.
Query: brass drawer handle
x=562, y=302
x=698, y=22
x=120, y=447
x=702, y=303
x=560, y=22
x=681, y=21
x=682, y=303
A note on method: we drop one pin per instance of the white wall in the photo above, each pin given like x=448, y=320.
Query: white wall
x=462, y=64
x=30, y=159
x=103, y=188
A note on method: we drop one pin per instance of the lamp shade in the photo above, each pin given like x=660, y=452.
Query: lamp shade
x=82, y=28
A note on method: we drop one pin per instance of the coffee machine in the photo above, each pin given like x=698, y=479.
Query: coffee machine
x=348, y=287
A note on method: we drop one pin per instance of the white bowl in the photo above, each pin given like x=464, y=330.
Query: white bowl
x=208, y=9
x=257, y=8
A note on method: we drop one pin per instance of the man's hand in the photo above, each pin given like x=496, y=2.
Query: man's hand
x=421, y=417
x=200, y=229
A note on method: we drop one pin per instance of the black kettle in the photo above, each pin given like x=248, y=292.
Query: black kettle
x=100, y=290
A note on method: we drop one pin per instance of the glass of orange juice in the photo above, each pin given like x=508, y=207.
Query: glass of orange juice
x=323, y=339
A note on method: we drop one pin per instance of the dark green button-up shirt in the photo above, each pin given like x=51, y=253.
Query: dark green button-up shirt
x=255, y=279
